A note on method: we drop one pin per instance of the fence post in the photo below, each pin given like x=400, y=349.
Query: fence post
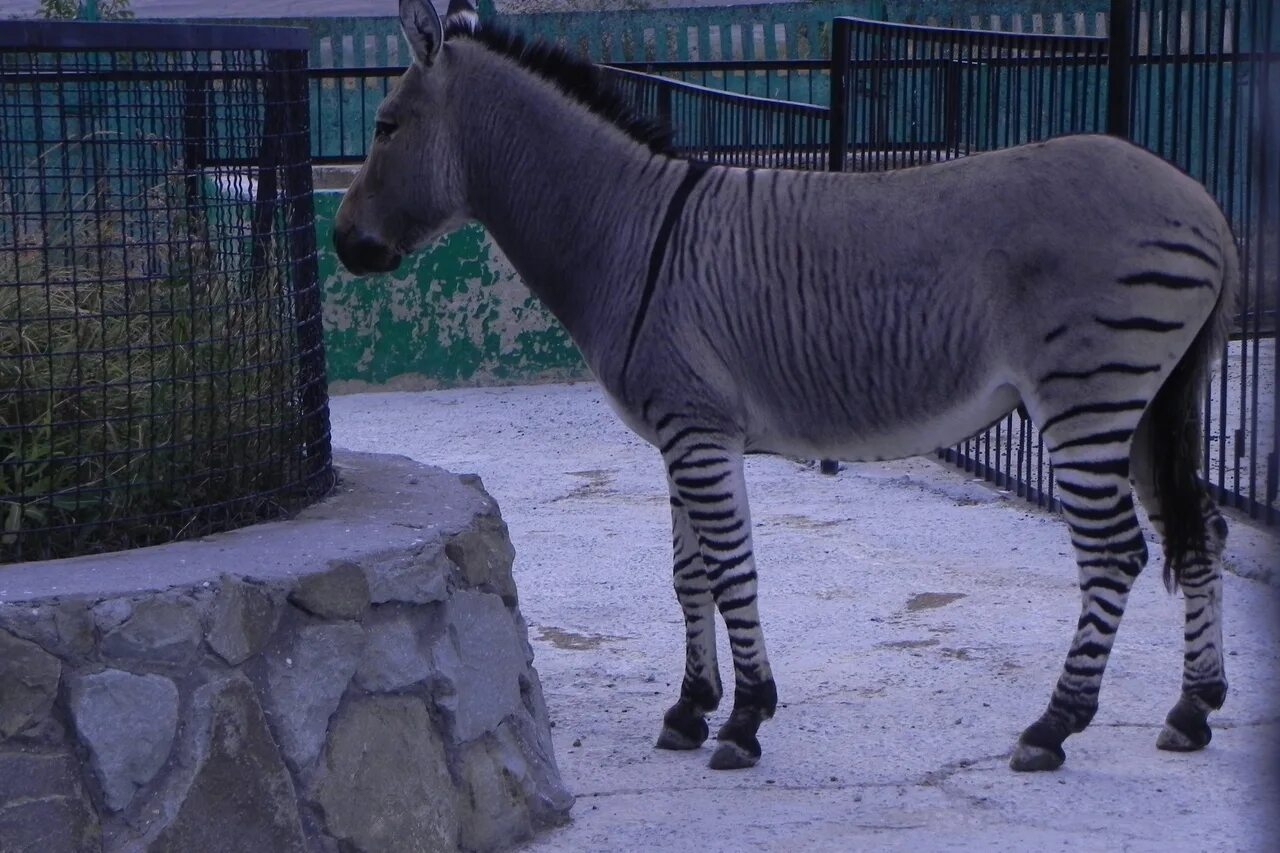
x=195, y=132
x=270, y=156
x=299, y=220
x=838, y=144
x=1118, y=67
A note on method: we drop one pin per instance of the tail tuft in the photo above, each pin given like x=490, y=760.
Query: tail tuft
x=1175, y=425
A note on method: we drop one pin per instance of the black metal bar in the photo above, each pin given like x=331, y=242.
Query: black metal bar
x=839, y=121
x=295, y=151
x=1119, y=99
x=133, y=36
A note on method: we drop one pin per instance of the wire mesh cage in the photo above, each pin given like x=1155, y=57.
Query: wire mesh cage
x=161, y=359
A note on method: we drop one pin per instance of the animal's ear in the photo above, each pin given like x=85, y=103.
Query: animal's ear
x=461, y=14
x=422, y=29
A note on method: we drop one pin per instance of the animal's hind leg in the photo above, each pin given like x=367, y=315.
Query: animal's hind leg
x=685, y=726
x=1089, y=446
x=1199, y=575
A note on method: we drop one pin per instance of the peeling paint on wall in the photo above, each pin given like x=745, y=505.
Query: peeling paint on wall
x=452, y=315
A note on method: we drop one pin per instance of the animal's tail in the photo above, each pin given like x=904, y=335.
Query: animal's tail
x=1174, y=427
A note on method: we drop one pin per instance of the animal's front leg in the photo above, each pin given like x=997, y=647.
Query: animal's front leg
x=685, y=726
x=706, y=478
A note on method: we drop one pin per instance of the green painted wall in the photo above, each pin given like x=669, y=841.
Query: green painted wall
x=452, y=315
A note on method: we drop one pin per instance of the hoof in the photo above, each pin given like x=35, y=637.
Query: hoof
x=1186, y=729
x=674, y=739
x=731, y=756
x=682, y=728
x=1173, y=739
x=1027, y=758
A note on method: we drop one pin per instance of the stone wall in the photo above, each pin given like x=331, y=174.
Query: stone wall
x=356, y=679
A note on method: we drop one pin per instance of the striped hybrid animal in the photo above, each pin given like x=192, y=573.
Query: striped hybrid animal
x=728, y=311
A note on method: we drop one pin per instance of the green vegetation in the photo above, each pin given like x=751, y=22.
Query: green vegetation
x=66, y=10
x=146, y=382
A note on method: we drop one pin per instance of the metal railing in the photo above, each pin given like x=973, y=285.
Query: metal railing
x=1204, y=94
x=161, y=356
x=722, y=127
x=797, y=80
x=343, y=102
x=910, y=95
x=1195, y=82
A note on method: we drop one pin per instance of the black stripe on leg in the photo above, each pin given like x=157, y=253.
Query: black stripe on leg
x=1139, y=324
x=1114, y=467
x=1089, y=493
x=1109, y=367
x=1167, y=281
x=1115, y=436
x=1094, y=409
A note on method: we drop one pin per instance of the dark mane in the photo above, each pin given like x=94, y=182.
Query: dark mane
x=577, y=78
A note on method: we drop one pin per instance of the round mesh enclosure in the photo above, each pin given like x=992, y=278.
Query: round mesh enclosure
x=161, y=360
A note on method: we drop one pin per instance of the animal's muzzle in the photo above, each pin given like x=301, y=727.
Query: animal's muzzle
x=362, y=254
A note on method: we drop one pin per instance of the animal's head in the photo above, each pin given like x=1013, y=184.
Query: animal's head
x=410, y=189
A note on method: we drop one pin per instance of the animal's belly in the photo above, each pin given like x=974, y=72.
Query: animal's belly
x=911, y=437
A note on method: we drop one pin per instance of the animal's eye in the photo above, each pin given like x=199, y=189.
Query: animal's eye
x=383, y=129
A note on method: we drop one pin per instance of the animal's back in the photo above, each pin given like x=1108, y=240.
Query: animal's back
x=883, y=314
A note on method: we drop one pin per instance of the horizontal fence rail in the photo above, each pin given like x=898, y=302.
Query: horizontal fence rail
x=913, y=95
x=161, y=360
x=796, y=80
x=731, y=129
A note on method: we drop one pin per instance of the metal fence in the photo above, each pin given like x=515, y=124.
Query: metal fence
x=1204, y=93
x=913, y=95
x=343, y=103
x=161, y=359
x=722, y=127
x=797, y=80
x=1196, y=82
x=344, y=100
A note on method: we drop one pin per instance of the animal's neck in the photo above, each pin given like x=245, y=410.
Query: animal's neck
x=571, y=200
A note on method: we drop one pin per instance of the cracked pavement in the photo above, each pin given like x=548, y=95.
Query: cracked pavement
x=916, y=621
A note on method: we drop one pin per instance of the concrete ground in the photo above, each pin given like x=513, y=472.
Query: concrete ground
x=916, y=622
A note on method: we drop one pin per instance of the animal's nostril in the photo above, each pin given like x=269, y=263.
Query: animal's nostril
x=362, y=254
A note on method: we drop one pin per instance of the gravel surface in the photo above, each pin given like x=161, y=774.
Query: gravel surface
x=916, y=622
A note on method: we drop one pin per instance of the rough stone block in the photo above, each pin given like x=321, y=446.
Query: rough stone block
x=339, y=593
x=240, y=797
x=481, y=658
x=548, y=799
x=127, y=722
x=326, y=736
x=43, y=808
x=484, y=554
x=496, y=812
x=63, y=628
x=243, y=617
x=306, y=677
x=410, y=579
x=162, y=629
x=111, y=614
x=371, y=798
x=394, y=654
x=28, y=684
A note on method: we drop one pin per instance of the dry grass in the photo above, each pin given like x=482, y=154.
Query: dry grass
x=145, y=385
